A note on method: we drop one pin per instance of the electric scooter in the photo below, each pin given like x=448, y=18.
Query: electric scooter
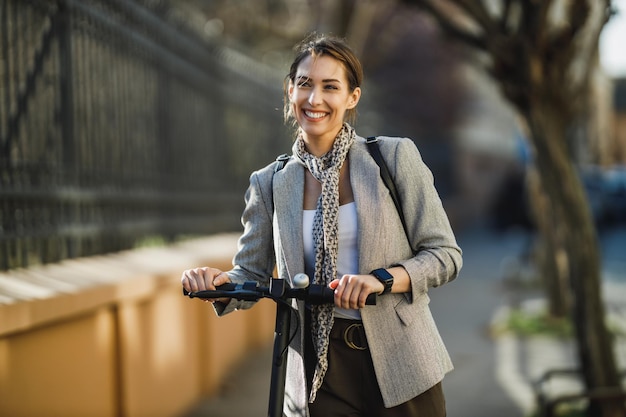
x=280, y=292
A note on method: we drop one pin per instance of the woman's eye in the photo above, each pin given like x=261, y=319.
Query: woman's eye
x=331, y=87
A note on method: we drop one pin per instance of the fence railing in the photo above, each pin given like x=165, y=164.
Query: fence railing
x=117, y=124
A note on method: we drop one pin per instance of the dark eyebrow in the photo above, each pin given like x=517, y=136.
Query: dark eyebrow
x=307, y=78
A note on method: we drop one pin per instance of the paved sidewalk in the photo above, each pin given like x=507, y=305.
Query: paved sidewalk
x=492, y=376
x=463, y=310
x=244, y=394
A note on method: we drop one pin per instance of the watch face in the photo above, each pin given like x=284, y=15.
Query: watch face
x=382, y=274
x=384, y=277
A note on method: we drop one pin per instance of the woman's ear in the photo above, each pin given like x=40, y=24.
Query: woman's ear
x=355, y=96
x=290, y=89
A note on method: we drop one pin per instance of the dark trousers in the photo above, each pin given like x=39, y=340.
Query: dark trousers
x=350, y=388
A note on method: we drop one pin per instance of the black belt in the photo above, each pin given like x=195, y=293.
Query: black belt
x=351, y=332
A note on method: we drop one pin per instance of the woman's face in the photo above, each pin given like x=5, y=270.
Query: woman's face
x=320, y=96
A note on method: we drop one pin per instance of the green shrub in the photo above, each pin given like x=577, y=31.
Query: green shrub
x=540, y=323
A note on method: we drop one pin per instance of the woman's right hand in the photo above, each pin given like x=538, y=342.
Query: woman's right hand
x=204, y=278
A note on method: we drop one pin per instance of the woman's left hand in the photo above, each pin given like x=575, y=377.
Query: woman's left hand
x=351, y=291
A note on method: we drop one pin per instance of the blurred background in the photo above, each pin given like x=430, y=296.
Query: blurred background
x=128, y=131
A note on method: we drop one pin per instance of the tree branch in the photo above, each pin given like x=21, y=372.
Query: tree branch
x=591, y=54
x=534, y=19
x=448, y=26
x=478, y=12
x=578, y=15
x=506, y=15
x=562, y=43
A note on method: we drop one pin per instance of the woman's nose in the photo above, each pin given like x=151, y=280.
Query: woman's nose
x=314, y=97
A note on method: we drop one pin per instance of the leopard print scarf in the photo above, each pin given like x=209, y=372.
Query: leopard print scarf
x=325, y=237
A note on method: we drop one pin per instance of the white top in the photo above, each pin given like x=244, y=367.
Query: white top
x=348, y=257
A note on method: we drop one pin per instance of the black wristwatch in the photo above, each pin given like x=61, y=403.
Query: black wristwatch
x=385, y=278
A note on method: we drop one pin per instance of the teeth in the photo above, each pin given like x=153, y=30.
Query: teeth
x=314, y=115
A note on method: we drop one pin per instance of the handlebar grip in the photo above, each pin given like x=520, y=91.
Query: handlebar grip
x=321, y=294
x=229, y=286
x=371, y=299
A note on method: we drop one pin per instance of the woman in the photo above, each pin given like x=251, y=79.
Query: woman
x=328, y=213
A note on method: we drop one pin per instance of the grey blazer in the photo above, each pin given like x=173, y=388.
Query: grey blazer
x=407, y=351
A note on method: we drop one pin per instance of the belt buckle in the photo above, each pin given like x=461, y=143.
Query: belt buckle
x=347, y=336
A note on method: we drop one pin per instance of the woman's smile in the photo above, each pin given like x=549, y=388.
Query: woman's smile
x=315, y=115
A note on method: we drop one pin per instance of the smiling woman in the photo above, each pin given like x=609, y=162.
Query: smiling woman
x=319, y=97
x=328, y=213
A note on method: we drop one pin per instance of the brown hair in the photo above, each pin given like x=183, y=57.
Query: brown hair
x=317, y=45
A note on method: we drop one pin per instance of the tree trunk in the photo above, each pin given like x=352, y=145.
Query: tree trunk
x=572, y=215
x=550, y=256
x=542, y=54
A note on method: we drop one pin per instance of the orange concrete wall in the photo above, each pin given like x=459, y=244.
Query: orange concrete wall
x=113, y=335
x=64, y=369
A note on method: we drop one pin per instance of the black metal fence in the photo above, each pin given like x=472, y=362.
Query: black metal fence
x=117, y=124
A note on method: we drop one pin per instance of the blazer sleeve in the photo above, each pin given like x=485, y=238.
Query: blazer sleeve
x=254, y=260
x=438, y=258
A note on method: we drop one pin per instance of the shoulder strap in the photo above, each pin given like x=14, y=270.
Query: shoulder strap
x=372, y=146
x=281, y=162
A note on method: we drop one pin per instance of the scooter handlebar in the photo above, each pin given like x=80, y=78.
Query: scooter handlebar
x=249, y=291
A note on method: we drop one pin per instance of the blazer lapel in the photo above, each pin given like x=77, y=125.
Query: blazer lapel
x=288, y=193
x=368, y=192
x=366, y=186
